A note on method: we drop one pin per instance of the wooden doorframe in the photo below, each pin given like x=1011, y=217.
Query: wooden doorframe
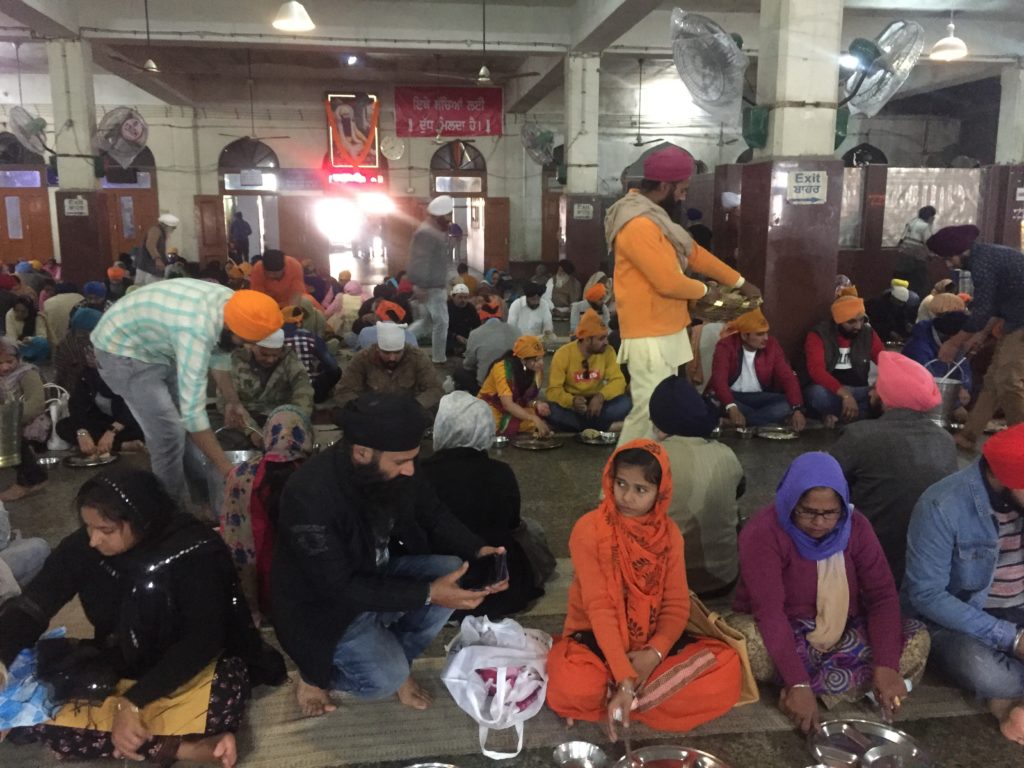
x=497, y=224
x=211, y=234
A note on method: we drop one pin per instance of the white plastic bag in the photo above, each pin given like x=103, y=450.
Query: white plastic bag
x=497, y=674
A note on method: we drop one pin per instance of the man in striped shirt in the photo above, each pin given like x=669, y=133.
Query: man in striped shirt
x=155, y=347
x=965, y=576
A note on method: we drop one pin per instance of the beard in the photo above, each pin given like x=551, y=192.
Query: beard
x=672, y=207
x=847, y=334
x=383, y=495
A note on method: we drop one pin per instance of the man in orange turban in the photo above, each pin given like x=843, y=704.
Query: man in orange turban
x=751, y=378
x=595, y=298
x=586, y=387
x=839, y=353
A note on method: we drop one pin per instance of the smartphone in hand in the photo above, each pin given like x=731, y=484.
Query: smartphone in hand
x=485, y=572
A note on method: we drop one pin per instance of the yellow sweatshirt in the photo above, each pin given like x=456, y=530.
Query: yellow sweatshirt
x=570, y=378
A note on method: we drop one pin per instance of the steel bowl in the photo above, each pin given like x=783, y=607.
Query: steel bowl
x=746, y=432
x=500, y=441
x=667, y=756
x=580, y=754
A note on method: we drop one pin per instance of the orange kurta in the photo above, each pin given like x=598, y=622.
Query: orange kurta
x=579, y=679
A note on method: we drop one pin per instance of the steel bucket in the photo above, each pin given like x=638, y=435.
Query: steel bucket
x=949, y=390
x=10, y=432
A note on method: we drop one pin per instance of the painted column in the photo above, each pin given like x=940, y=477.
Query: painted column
x=74, y=111
x=797, y=75
x=1010, y=138
x=584, y=214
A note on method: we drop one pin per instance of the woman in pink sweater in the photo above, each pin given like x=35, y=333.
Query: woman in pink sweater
x=817, y=601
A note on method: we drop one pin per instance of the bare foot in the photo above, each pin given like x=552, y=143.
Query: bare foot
x=1011, y=718
x=414, y=695
x=569, y=723
x=830, y=421
x=15, y=492
x=133, y=445
x=313, y=701
x=217, y=750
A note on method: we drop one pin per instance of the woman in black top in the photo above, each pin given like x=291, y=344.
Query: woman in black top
x=483, y=494
x=160, y=590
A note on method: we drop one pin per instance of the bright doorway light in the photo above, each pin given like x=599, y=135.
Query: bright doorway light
x=340, y=219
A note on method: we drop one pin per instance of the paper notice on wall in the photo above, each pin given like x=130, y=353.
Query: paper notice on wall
x=807, y=187
x=582, y=211
x=1020, y=194
x=76, y=206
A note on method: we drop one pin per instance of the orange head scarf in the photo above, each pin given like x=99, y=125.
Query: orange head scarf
x=527, y=347
x=753, y=321
x=596, y=293
x=635, y=549
x=847, y=306
x=590, y=325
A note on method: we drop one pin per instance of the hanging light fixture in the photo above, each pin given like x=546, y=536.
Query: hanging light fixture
x=293, y=17
x=150, y=65
x=949, y=48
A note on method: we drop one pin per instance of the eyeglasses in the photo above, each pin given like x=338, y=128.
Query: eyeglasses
x=808, y=515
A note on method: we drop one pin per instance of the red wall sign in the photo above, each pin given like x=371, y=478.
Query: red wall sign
x=428, y=111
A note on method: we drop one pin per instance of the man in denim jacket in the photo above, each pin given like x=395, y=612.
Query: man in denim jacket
x=965, y=576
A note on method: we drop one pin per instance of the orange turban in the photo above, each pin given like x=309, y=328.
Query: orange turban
x=390, y=312
x=115, y=273
x=1004, y=453
x=528, y=346
x=590, y=325
x=489, y=308
x=596, y=293
x=252, y=315
x=245, y=267
x=946, y=302
x=847, y=307
x=753, y=321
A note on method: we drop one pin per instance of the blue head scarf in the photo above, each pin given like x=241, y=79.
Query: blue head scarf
x=23, y=268
x=84, y=319
x=814, y=470
x=95, y=288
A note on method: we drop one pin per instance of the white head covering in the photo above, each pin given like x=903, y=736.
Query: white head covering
x=441, y=206
x=169, y=220
x=460, y=288
x=390, y=337
x=901, y=293
x=463, y=421
x=273, y=341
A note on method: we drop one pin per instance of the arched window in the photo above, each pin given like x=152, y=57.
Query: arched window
x=458, y=168
x=141, y=174
x=245, y=154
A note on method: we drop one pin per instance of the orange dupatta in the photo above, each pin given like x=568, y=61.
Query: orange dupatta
x=634, y=548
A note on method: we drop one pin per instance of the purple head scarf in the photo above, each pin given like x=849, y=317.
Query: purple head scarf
x=814, y=470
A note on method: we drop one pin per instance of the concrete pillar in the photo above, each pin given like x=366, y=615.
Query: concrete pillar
x=797, y=72
x=74, y=110
x=584, y=214
x=1010, y=139
x=582, y=83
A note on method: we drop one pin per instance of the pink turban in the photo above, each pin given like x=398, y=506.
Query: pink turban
x=905, y=383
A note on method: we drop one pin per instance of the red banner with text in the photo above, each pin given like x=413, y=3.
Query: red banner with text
x=454, y=111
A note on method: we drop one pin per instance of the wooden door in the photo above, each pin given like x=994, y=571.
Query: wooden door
x=84, y=231
x=398, y=231
x=211, y=235
x=25, y=231
x=131, y=212
x=300, y=237
x=496, y=229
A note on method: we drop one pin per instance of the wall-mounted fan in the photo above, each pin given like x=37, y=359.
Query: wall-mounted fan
x=538, y=142
x=710, y=63
x=884, y=64
x=122, y=134
x=29, y=129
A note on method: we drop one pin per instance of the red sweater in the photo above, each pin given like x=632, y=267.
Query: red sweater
x=814, y=352
x=773, y=370
x=778, y=584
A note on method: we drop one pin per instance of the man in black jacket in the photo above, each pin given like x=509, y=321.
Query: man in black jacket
x=367, y=561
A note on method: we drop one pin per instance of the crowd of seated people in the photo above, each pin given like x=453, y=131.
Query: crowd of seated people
x=355, y=554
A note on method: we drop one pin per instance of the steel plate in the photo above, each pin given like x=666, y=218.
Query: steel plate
x=667, y=756
x=536, y=444
x=849, y=742
x=776, y=433
x=596, y=437
x=85, y=462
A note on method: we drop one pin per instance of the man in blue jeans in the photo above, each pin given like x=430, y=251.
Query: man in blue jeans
x=839, y=352
x=965, y=576
x=367, y=561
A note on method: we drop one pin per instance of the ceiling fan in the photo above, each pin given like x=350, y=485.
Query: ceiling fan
x=639, y=141
x=252, y=107
x=483, y=76
x=149, y=65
